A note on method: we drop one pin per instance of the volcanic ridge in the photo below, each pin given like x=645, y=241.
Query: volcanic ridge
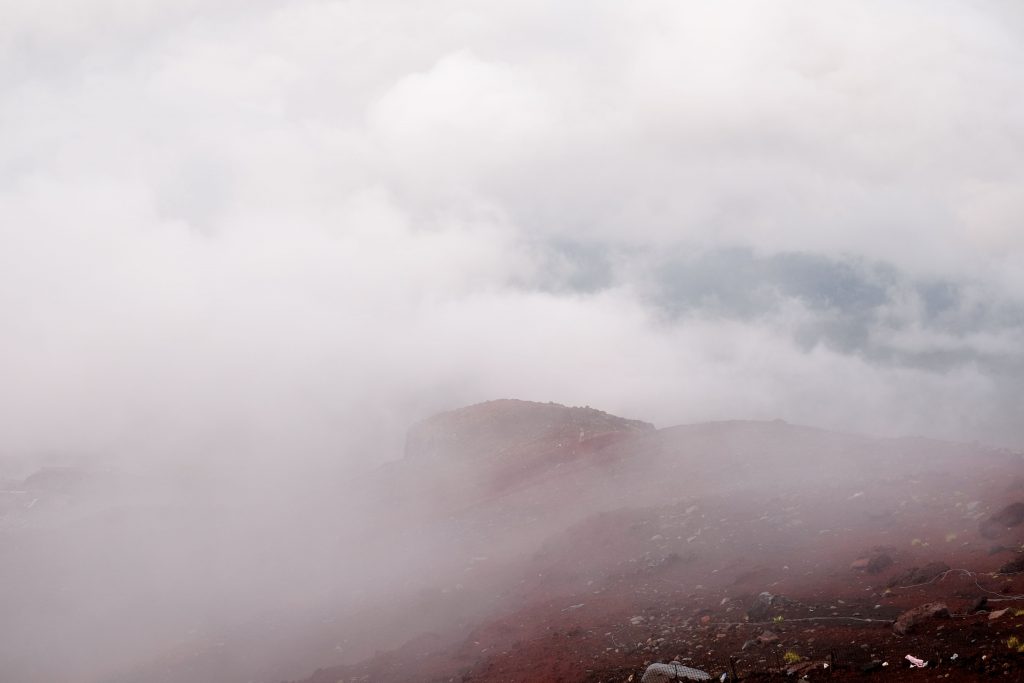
x=586, y=547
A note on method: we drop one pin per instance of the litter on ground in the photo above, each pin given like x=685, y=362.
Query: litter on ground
x=914, y=661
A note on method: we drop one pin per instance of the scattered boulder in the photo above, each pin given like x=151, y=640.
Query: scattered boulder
x=767, y=638
x=762, y=607
x=879, y=562
x=803, y=668
x=1014, y=566
x=979, y=605
x=998, y=613
x=918, y=575
x=670, y=560
x=911, y=618
x=1007, y=518
x=874, y=562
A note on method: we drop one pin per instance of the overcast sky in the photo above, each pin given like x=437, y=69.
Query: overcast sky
x=285, y=230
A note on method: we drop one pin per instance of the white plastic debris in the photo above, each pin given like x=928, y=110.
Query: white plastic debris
x=914, y=661
x=955, y=655
x=663, y=673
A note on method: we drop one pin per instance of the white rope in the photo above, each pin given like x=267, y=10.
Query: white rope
x=974, y=576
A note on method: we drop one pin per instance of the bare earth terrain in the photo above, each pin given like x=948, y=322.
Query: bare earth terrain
x=522, y=541
x=759, y=549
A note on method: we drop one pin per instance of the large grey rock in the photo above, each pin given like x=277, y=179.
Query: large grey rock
x=911, y=618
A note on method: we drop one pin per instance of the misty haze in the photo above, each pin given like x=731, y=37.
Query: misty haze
x=352, y=340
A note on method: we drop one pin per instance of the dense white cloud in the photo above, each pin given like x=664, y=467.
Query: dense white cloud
x=269, y=228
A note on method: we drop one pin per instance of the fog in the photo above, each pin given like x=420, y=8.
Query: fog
x=244, y=246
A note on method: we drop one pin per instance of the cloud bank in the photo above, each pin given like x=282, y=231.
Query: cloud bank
x=284, y=231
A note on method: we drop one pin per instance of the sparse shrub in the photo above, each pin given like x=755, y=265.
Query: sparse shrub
x=1014, y=643
x=791, y=657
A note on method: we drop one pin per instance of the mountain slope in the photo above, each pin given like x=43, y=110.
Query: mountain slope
x=688, y=525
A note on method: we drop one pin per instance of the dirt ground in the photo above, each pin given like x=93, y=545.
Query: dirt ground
x=786, y=581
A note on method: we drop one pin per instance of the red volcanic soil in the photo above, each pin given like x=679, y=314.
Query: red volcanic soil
x=761, y=550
